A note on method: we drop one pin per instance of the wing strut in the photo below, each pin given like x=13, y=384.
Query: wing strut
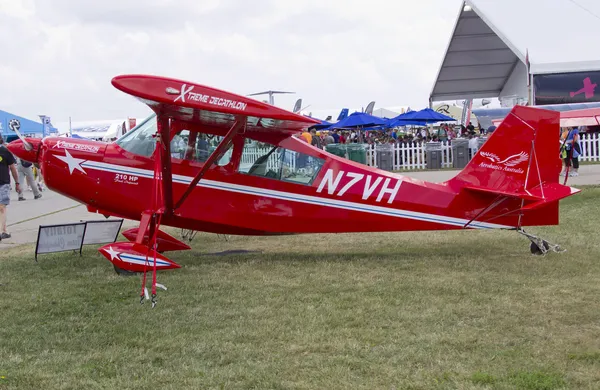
x=165, y=156
x=239, y=124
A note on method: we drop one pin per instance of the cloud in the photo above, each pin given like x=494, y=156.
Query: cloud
x=61, y=55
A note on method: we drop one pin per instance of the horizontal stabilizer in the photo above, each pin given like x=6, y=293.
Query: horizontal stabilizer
x=134, y=257
x=535, y=197
x=165, y=242
x=520, y=195
x=548, y=193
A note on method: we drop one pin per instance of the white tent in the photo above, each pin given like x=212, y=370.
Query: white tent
x=385, y=113
x=487, y=52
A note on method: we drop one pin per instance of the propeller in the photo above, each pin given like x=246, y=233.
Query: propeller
x=15, y=125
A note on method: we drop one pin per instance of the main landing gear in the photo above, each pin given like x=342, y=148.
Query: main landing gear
x=540, y=246
x=124, y=272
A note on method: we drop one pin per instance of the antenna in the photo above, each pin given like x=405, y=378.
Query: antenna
x=270, y=93
x=304, y=108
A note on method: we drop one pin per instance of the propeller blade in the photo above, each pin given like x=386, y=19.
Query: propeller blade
x=15, y=125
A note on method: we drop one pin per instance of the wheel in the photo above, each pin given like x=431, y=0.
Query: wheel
x=535, y=249
x=123, y=272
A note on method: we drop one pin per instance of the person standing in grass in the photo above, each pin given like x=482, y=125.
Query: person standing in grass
x=7, y=163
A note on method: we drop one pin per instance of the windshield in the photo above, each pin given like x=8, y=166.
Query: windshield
x=194, y=147
x=140, y=140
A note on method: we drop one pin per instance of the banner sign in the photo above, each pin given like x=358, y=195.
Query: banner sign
x=565, y=88
x=73, y=236
x=45, y=125
x=102, y=232
x=60, y=238
x=466, y=113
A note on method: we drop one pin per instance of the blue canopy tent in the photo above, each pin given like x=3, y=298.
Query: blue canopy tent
x=404, y=120
x=425, y=115
x=358, y=120
x=323, y=125
x=394, y=122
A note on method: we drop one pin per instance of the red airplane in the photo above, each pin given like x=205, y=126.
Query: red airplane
x=588, y=89
x=164, y=173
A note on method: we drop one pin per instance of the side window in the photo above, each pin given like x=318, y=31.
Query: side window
x=299, y=167
x=197, y=147
x=270, y=161
x=260, y=159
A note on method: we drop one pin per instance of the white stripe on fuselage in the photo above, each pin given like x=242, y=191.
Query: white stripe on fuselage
x=307, y=199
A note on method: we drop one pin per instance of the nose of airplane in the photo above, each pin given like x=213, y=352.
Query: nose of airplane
x=26, y=151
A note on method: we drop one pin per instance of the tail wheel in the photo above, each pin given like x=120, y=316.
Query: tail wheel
x=536, y=250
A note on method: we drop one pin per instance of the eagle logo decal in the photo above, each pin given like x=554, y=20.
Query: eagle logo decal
x=510, y=161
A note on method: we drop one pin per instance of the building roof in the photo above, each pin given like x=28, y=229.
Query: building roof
x=28, y=127
x=491, y=38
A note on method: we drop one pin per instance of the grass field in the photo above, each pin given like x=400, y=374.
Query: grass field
x=459, y=310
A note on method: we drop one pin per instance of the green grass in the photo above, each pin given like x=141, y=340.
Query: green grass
x=438, y=310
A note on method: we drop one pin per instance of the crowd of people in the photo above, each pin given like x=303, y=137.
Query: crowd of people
x=442, y=133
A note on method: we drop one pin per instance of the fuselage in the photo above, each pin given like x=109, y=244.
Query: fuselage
x=299, y=189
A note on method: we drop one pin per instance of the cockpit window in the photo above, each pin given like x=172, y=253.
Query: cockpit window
x=260, y=159
x=140, y=140
x=197, y=147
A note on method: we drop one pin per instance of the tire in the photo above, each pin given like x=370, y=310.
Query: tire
x=123, y=272
x=535, y=249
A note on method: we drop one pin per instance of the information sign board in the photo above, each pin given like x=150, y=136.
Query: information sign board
x=60, y=238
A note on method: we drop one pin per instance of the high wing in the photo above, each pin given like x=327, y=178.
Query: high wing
x=209, y=107
x=183, y=105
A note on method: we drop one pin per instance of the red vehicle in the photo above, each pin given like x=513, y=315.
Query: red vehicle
x=164, y=173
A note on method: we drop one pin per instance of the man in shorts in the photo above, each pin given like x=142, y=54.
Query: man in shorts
x=7, y=163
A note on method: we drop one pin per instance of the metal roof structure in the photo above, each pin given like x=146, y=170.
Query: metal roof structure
x=28, y=127
x=486, y=55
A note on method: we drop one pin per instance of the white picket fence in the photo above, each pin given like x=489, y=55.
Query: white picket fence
x=590, y=147
x=412, y=155
x=251, y=154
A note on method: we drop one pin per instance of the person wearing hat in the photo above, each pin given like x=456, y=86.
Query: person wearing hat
x=7, y=163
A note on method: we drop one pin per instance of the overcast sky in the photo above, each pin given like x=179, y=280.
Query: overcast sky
x=58, y=56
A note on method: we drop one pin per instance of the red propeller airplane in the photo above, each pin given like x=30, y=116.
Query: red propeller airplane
x=163, y=173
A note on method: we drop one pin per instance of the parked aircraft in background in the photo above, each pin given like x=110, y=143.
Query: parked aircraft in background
x=270, y=93
x=101, y=130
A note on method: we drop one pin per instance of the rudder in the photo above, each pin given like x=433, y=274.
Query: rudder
x=520, y=155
